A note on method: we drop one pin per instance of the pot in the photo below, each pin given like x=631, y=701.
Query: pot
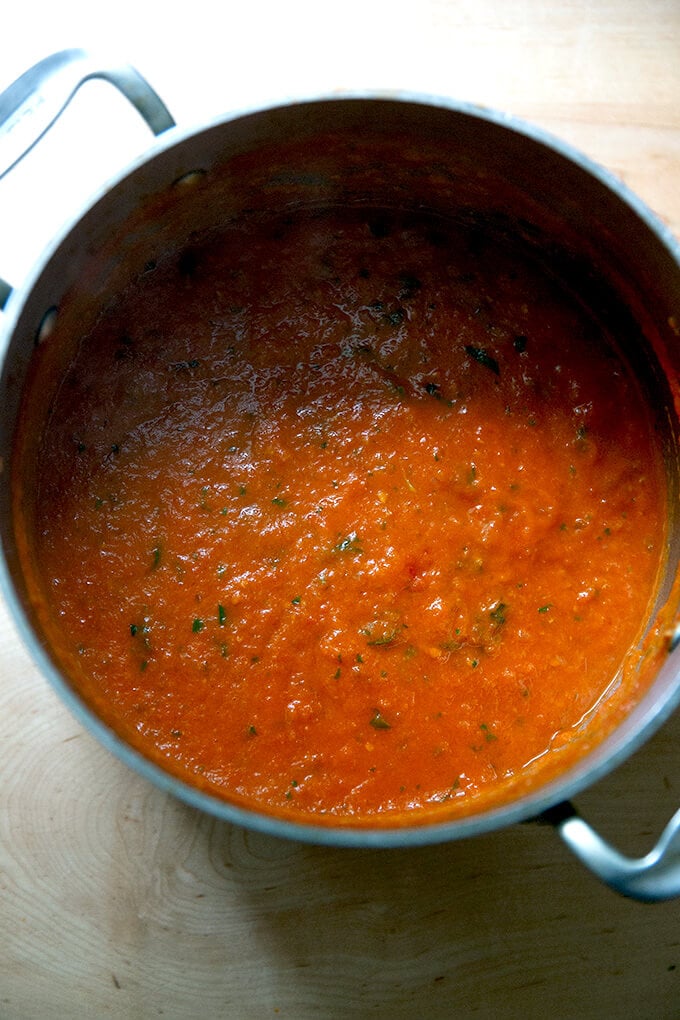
x=418, y=151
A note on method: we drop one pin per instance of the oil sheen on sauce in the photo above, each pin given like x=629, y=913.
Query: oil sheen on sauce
x=350, y=517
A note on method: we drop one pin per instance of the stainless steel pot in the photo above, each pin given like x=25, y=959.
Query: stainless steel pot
x=411, y=150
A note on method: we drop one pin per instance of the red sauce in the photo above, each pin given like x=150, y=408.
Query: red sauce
x=351, y=517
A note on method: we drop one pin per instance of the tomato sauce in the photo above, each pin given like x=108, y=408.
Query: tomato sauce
x=351, y=516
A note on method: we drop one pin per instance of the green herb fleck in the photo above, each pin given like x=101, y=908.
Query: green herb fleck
x=349, y=544
x=383, y=639
x=410, y=285
x=378, y=722
x=546, y=608
x=221, y=615
x=396, y=317
x=383, y=631
x=182, y=366
x=489, y=735
x=481, y=355
x=133, y=629
x=497, y=614
x=197, y=626
x=296, y=601
x=279, y=501
x=156, y=554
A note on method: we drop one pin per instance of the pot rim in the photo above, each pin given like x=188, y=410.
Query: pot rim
x=652, y=712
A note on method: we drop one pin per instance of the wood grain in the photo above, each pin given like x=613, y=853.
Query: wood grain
x=117, y=901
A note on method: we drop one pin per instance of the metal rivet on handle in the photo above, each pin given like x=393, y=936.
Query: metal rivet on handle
x=189, y=179
x=47, y=324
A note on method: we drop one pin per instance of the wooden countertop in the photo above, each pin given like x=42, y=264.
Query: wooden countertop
x=116, y=900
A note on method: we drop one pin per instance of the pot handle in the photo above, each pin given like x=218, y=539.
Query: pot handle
x=29, y=107
x=651, y=878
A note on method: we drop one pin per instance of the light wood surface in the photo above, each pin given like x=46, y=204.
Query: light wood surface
x=116, y=900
